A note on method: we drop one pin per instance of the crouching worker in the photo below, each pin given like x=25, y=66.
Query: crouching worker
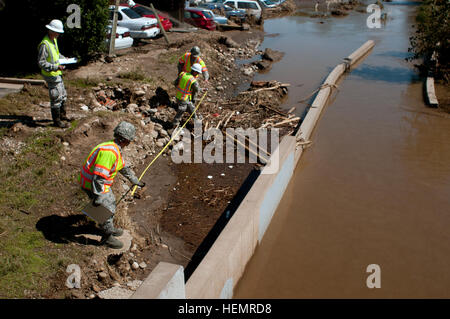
x=98, y=173
x=187, y=87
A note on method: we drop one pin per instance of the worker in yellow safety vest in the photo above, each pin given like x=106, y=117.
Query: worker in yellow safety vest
x=98, y=173
x=51, y=69
x=188, y=59
x=187, y=87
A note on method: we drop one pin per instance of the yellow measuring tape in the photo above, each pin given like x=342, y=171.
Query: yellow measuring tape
x=168, y=143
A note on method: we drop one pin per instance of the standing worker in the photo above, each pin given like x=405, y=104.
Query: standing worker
x=51, y=70
x=187, y=87
x=98, y=173
x=189, y=59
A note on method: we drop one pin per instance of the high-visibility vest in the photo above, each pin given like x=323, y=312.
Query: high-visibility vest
x=184, y=87
x=104, y=160
x=185, y=60
x=53, y=55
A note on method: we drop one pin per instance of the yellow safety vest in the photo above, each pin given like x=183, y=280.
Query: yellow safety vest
x=185, y=60
x=104, y=160
x=184, y=87
x=53, y=55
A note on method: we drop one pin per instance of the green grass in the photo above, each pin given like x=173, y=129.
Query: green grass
x=26, y=257
x=169, y=58
x=84, y=82
x=135, y=75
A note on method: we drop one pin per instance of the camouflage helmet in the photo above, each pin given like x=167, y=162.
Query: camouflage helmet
x=125, y=130
x=195, y=51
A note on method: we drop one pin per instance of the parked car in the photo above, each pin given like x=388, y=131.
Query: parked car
x=252, y=7
x=200, y=18
x=123, y=37
x=140, y=27
x=268, y=3
x=148, y=13
x=227, y=10
x=217, y=18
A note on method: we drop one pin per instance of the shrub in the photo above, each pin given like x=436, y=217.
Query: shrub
x=83, y=43
x=432, y=35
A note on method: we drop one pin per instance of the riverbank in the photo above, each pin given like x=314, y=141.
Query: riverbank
x=41, y=226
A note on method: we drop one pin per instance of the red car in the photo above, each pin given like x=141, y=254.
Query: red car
x=148, y=13
x=200, y=18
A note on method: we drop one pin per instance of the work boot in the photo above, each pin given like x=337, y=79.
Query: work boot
x=63, y=114
x=117, y=232
x=56, y=115
x=112, y=242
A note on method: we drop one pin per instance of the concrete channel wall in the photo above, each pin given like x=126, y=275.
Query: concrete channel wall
x=222, y=267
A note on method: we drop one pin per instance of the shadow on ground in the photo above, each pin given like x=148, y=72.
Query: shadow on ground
x=66, y=229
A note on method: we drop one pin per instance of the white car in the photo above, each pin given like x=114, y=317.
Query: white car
x=252, y=7
x=140, y=27
x=123, y=38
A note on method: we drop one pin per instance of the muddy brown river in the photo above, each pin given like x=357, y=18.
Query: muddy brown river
x=374, y=187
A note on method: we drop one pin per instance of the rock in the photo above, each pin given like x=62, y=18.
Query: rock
x=219, y=88
x=44, y=104
x=109, y=78
x=116, y=284
x=158, y=127
x=154, y=134
x=247, y=71
x=115, y=293
x=95, y=103
x=77, y=295
x=272, y=55
x=91, y=296
x=96, y=288
x=84, y=107
x=160, y=142
x=139, y=93
x=63, y=158
x=132, y=108
x=102, y=275
x=143, y=265
x=135, y=284
x=263, y=65
x=100, y=108
x=228, y=42
x=163, y=133
x=135, y=265
x=65, y=144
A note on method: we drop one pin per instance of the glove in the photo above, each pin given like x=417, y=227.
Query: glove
x=141, y=184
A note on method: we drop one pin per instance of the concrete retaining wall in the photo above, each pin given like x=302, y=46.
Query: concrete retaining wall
x=430, y=92
x=224, y=264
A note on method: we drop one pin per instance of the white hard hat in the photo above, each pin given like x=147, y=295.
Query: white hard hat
x=56, y=26
x=197, y=68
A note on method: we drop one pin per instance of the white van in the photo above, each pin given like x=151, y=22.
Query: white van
x=252, y=7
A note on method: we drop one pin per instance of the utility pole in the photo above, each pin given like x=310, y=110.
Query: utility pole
x=160, y=24
x=112, y=40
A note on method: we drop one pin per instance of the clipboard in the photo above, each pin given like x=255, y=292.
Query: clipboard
x=98, y=213
x=68, y=61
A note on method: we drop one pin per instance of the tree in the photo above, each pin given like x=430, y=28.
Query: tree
x=23, y=22
x=432, y=36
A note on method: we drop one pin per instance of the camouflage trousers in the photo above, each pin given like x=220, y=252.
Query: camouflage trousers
x=183, y=106
x=56, y=91
x=107, y=200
